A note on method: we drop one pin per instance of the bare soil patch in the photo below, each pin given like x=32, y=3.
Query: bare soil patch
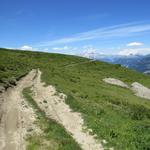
x=16, y=116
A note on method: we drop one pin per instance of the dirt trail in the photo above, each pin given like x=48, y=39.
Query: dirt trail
x=55, y=107
x=80, y=63
x=17, y=118
x=15, y=115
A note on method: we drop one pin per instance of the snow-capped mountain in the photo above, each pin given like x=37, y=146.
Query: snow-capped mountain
x=137, y=62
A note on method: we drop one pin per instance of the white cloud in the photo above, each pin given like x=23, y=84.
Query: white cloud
x=45, y=50
x=122, y=30
x=61, y=48
x=88, y=52
x=135, y=51
x=89, y=49
x=85, y=51
x=29, y=48
x=10, y=48
x=135, y=44
x=26, y=47
x=64, y=48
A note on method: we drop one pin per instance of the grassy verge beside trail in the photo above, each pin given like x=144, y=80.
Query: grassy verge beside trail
x=53, y=135
x=113, y=113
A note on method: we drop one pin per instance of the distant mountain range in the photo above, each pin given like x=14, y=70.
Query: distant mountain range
x=137, y=62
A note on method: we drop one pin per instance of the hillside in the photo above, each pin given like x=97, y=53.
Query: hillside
x=117, y=117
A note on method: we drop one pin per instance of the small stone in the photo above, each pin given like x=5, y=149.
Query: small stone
x=22, y=102
x=90, y=130
x=46, y=107
x=44, y=101
x=26, y=106
x=104, y=141
x=13, y=81
x=29, y=130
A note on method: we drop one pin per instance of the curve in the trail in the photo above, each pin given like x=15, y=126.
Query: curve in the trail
x=80, y=63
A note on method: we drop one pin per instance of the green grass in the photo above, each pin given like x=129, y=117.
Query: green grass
x=53, y=135
x=114, y=113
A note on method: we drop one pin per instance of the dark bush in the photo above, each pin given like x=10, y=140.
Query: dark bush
x=142, y=140
x=139, y=112
x=117, y=66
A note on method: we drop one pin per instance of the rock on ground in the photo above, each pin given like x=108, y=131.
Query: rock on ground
x=115, y=82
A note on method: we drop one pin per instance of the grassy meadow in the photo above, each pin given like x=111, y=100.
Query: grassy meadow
x=113, y=113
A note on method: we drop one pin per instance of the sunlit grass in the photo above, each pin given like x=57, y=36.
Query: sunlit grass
x=113, y=113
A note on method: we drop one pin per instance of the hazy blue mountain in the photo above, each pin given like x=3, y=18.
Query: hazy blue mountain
x=137, y=62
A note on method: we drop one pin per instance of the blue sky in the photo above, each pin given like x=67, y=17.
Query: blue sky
x=76, y=26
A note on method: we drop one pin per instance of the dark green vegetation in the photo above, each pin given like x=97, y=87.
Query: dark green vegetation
x=114, y=113
x=53, y=135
